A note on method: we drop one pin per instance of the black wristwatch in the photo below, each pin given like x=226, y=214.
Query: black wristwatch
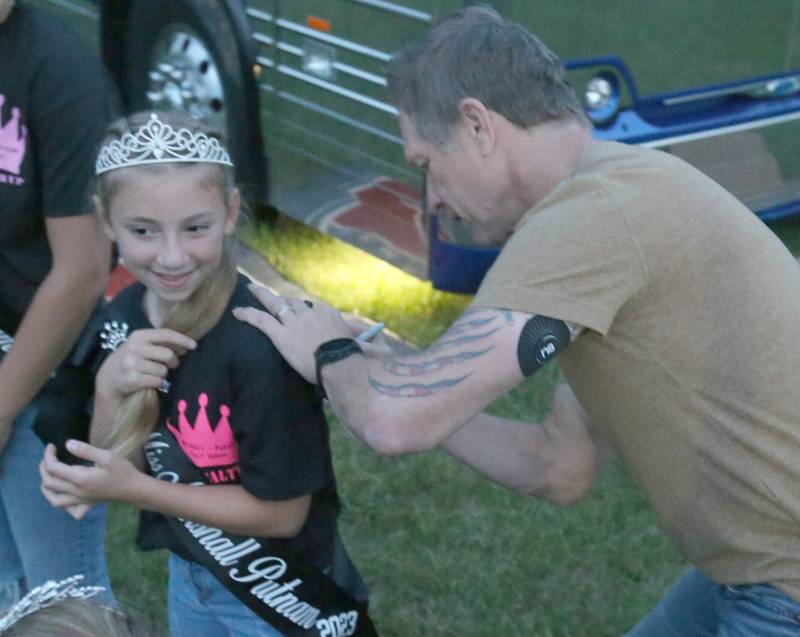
x=330, y=352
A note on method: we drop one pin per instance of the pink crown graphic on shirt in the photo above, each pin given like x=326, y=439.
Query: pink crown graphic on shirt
x=204, y=447
x=12, y=140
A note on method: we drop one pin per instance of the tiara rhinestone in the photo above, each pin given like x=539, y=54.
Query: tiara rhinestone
x=48, y=594
x=158, y=143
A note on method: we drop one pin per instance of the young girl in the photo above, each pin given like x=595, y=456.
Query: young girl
x=193, y=397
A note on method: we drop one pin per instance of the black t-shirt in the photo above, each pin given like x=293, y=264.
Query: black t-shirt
x=241, y=415
x=56, y=101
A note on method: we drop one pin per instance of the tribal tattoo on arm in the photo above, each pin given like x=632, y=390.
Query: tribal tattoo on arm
x=460, y=349
x=465, y=341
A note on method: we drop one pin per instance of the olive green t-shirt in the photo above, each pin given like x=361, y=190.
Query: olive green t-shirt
x=691, y=357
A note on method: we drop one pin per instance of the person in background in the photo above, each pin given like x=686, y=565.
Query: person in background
x=672, y=309
x=55, y=101
x=66, y=609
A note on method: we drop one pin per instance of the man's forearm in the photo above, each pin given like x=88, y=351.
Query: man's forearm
x=516, y=455
x=380, y=411
x=555, y=460
x=409, y=403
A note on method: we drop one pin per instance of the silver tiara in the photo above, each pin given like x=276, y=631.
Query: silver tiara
x=158, y=143
x=48, y=594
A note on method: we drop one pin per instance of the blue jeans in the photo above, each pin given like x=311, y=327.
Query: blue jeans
x=199, y=606
x=37, y=541
x=700, y=607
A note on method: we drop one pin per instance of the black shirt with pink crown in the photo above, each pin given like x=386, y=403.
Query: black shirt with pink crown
x=234, y=412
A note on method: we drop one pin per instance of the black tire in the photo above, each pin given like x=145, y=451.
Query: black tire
x=205, y=23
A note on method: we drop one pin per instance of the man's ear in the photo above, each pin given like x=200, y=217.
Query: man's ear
x=102, y=214
x=232, y=207
x=480, y=126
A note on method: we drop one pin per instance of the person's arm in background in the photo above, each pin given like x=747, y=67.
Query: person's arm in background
x=66, y=113
x=60, y=308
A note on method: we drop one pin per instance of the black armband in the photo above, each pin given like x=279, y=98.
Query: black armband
x=540, y=340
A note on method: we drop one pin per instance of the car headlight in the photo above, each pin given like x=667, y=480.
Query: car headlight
x=601, y=98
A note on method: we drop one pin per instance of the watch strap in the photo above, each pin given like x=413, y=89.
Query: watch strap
x=331, y=352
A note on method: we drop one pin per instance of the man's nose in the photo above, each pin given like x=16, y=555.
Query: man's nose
x=433, y=201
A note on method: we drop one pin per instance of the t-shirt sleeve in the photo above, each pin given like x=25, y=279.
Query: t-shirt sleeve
x=72, y=102
x=573, y=258
x=110, y=326
x=278, y=423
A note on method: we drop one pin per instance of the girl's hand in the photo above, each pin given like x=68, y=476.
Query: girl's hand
x=76, y=487
x=55, y=492
x=142, y=361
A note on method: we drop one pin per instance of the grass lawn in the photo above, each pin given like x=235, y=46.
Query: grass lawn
x=443, y=551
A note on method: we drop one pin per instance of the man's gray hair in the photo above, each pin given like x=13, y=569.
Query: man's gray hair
x=477, y=53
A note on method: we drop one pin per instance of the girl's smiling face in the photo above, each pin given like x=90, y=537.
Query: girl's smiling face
x=169, y=226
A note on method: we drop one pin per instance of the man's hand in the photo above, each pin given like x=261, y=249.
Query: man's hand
x=75, y=487
x=295, y=327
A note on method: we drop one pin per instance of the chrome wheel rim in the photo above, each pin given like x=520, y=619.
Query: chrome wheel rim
x=184, y=76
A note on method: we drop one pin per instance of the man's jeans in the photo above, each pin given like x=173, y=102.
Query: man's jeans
x=700, y=607
x=37, y=541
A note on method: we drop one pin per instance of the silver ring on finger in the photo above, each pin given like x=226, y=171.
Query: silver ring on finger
x=283, y=309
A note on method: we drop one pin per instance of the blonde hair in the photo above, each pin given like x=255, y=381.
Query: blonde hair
x=77, y=618
x=194, y=317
